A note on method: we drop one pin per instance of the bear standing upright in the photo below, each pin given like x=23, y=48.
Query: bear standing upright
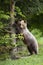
x=29, y=39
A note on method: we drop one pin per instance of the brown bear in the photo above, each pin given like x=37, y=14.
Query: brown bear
x=29, y=39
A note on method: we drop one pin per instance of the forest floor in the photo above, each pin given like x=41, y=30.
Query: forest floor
x=28, y=60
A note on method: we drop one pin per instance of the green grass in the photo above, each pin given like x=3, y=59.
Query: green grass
x=29, y=60
x=40, y=40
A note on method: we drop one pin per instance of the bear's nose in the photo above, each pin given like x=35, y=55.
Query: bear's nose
x=21, y=26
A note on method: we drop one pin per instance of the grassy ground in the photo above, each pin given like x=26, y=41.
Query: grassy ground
x=30, y=60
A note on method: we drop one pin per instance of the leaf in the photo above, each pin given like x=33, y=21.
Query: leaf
x=4, y=16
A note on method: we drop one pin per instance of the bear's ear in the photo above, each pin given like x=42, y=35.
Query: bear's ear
x=25, y=21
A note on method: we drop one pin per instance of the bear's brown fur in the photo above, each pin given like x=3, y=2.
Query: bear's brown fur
x=29, y=39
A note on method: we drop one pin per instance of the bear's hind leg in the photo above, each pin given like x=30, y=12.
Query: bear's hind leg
x=35, y=51
x=30, y=50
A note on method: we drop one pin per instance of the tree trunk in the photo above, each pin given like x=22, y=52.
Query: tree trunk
x=12, y=20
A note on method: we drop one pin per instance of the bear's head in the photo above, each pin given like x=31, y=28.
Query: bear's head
x=22, y=24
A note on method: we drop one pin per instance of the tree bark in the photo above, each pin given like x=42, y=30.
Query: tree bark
x=12, y=20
